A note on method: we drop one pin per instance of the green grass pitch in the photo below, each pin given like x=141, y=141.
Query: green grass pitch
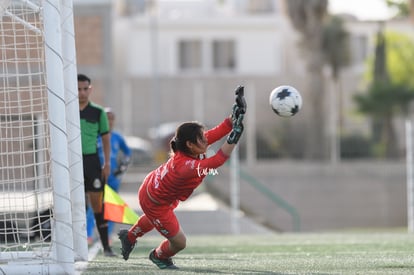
x=292, y=253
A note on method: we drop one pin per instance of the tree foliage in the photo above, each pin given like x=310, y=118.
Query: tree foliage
x=385, y=99
x=308, y=16
x=335, y=45
x=391, y=90
x=399, y=56
x=402, y=7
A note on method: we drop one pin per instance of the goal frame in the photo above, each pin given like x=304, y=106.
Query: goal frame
x=68, y=224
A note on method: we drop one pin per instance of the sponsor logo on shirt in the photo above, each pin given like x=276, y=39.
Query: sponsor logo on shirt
x=206, y=171
x=190, y=163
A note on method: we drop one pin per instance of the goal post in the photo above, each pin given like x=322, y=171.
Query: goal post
x=73, y=131
x=42, y=203
x=409, y=174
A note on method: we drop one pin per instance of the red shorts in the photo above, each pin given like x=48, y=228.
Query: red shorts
x=161, y=216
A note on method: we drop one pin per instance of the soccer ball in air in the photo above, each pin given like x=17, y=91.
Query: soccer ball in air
x=285, y=101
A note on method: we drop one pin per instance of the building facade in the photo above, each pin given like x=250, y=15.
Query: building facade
x=159, y=62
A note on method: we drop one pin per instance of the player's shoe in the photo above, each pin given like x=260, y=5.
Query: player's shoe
x=162, y=263
x=108, y=252
x=127, y=246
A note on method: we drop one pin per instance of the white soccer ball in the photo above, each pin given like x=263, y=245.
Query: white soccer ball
x=285, y=101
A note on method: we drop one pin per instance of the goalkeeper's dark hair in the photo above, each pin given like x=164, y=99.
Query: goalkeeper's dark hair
x=187, y=131
x=82, y=78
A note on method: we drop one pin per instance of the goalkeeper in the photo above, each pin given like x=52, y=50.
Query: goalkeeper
x=176, y=180
x=120, y=158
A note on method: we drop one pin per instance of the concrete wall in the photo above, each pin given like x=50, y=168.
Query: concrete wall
x=326, y=197
x=93, y=36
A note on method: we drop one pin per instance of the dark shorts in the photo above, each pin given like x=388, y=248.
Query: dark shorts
x=92, y=173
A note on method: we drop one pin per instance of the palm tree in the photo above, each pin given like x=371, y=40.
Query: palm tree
x=336, y=45
x=308, y=17
x=336, y=48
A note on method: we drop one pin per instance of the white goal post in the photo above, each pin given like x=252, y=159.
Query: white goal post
x=409, y=174
x=42, y=202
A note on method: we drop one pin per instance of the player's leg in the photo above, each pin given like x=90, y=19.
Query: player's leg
x=171, y=246
x=96, y=199
x=90, y=223
x=111, y=226
x=167, y=224
x=94, y=187
x=129, y=237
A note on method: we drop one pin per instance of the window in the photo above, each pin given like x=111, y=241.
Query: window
x=223, y=54
x=190, y=55
x=359, y=48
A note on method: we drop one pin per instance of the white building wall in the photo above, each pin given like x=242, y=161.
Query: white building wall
x=267, y=54
x=258, y=44
x=259, y=54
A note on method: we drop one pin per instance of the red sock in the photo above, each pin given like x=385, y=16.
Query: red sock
x=163, y=251
x=142, y=226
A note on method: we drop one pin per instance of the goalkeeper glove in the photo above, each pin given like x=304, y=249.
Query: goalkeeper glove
x=237, y=131
x=240, y=106
x=240, y=100
x=235, y=113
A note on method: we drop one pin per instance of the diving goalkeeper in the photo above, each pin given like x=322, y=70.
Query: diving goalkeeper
x=176, y=179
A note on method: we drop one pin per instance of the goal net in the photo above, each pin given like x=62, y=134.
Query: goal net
x=42, y=212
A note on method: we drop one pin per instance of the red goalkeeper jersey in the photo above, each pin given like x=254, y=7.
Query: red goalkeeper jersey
x=181, y=174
